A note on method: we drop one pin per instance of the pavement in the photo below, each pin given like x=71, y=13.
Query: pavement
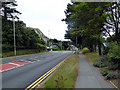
x=21, y=72
x=90, y=77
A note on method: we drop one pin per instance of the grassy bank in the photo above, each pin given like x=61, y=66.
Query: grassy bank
x=93, y=56
x=21, y=52
x=65, y=76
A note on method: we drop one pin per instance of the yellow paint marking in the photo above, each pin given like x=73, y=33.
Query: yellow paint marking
x=39, y=80
x=42, y=79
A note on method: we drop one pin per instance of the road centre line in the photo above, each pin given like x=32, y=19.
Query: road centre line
x=39, y=80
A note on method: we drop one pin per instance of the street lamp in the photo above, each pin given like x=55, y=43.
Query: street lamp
x=61, y=43
x=14, y=33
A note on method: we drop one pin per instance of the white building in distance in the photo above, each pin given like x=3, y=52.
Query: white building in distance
x=41, y=35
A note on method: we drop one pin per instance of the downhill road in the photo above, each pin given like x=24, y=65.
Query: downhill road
x=20, y=73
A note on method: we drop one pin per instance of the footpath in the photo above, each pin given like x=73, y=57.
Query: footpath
x=90, y=77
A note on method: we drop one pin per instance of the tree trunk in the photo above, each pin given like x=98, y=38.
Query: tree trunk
x=99, y=47
x=95, y=48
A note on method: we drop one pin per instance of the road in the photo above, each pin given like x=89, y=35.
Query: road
x=90, y=77
x=27, y=69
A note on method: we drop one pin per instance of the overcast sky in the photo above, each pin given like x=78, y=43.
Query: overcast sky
x=45, y=15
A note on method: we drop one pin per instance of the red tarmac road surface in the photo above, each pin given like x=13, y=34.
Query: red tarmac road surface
x=11, y=65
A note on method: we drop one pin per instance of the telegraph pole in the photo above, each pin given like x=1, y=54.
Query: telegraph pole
x=14, y=34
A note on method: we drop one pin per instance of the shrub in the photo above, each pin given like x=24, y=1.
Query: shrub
x=112, y=76
x=105, y=50
x=40, y=46
x=104, y=71
x=7, y=47
x=112, y=66
x=119, y=75
x=99, y=64
x=77, y=52
x=55, y=49
x=85, y=50
x=114, y=55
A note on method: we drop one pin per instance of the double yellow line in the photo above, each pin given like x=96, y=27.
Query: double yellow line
x=40, y=79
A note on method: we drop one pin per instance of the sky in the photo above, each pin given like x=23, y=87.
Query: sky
x=45, y=15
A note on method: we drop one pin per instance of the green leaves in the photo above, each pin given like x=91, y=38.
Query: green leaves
x=98, y=9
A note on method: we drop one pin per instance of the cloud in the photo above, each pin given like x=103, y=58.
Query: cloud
x=45, y=15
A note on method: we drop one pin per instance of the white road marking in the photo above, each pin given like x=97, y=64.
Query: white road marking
x=14, y=64
x=113, y=84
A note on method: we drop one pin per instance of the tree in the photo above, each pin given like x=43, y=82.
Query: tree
x=86, y=21
x=26, y=38
x=112, y=22
x=8, y=11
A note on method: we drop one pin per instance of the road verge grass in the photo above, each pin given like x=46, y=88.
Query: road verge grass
x=93, y=56
x=65, y=76
x=21, y=52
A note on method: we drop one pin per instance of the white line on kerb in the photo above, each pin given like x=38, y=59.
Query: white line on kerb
x=113, y=84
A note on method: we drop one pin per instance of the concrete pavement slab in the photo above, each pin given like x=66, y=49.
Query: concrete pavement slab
x=89, y=76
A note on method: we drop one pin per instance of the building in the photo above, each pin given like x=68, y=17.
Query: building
x=41, y=35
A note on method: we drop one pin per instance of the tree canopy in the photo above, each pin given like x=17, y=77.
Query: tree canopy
x=89, y=21
x=26, y=38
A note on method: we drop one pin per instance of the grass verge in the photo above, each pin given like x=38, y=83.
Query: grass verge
x=93, y=56
x=21, y=52
x=65, y=76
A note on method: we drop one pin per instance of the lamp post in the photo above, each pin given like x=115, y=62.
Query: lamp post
x=14, y=34
x=50, y=41
x=61, y=43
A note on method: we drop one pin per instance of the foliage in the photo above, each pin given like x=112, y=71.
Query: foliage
x=77, y=52
x=60, y=81
x=68, y=70
x=112, y=21
x=85, y=50
x=26, y=38
x=112, y=76
x=86, y=21
x=112, y=58
x=119, y=75
x=21, y=52
x=90, y=21
x=8, y=11
x=40, y=46
x=114, y=55
x=98, y=63
x=56, y=49
x=104, y=71
x=105, y=50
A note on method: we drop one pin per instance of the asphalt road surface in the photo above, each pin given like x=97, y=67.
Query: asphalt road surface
x=20, y=73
